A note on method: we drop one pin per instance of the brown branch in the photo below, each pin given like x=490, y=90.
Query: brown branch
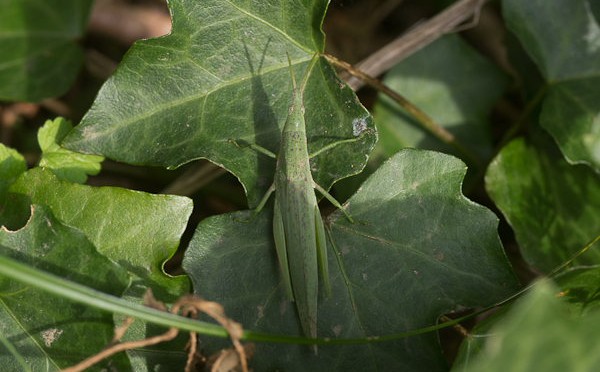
x=421, y=35
x=188, y=306
x=122, y=346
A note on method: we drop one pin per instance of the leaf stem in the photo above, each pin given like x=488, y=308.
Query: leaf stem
x=424, y=120
x=522, y=120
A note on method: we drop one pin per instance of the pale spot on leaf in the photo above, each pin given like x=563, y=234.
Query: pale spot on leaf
x=51, y=335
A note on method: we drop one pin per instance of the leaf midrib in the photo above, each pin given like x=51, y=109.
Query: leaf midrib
x=263, y=21
x=147, y=113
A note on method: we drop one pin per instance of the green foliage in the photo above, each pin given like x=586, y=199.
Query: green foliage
x=538, y=333
x=40, y=55
x=47, y=331
x=568, y=55
x=418, y=248
x=400, y=266
x=66, y=164
x=245, y=70
x=12, y=165
x=121, y=223
x=439, y=79
x=541, y=199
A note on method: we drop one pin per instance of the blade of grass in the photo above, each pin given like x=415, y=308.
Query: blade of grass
x=88, y=296
x=91, y=297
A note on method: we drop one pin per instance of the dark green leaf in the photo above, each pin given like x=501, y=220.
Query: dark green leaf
x=418, y=249
x=66, y=164
x=454, y=85
x=223, y=74
x=38, y=39
x=539, y=333
x=567, y=51
x=49, y=332
x=138, y=230
x=553, y=207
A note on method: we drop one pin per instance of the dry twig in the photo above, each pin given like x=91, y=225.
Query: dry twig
x=449, y=20
x=188, y=305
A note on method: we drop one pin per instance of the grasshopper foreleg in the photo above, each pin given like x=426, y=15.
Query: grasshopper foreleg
x=331, y=199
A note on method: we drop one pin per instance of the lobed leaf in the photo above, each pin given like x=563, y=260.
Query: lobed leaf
x=222, y=75
x=137, y=230
x=66, y=164
x=567, y=51
x=418, y=249
x=553, y=207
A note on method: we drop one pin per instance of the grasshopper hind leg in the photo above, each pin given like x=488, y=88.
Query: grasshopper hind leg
x=322, y=251
x=280, y=247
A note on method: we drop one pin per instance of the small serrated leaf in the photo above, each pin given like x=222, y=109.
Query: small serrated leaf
x=66, y=164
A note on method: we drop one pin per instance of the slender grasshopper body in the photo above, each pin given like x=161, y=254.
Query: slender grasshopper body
x=297, y=224
x=298, y=229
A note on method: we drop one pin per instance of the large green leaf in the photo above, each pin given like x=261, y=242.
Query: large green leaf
x=539, y=334
x=138, y=230
x=553, y=207
x=454, y=85
x=568, y=55
x=39, y=55
x=223, y=74
x=46, y=332
x=418, y=249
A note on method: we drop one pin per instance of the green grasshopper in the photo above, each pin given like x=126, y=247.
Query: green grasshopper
x=298, y=230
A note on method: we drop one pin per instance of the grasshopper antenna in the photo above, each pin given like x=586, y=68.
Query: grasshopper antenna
x=306, y=75
x=291, y=71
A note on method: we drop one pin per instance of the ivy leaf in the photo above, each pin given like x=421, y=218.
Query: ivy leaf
x=418, y=249
x=223, y=74
x=568, y=55
x=545, y=325
x=553, y=207
x=137, y=230
x=38, y=38
x=42, y=332
x=66, y=164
